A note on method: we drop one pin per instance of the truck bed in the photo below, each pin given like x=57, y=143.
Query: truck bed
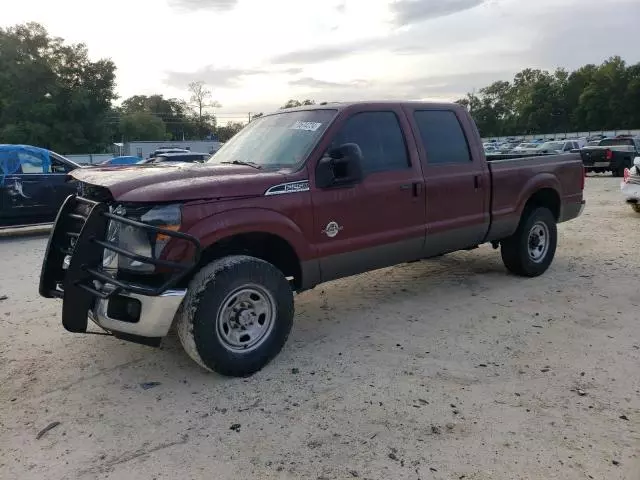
x=511, y=178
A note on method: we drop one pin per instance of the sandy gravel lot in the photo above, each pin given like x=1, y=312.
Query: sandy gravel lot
x=443, y=369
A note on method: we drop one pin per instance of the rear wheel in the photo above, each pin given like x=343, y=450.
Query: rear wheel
x=530, y=250
x=636, y=207
x=618, y=172
x=236, y=316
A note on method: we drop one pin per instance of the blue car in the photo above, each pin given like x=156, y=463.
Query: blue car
x=33, y=184
x=124, y=160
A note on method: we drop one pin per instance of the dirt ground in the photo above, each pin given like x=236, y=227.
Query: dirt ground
x=442, y=369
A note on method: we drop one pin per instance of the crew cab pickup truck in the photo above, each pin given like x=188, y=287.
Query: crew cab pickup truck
x=611, y=155
x=297, y=198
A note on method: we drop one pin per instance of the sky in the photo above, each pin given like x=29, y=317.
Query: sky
x=256, y=54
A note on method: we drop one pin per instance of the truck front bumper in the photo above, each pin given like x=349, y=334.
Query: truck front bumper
x=154, y=317
x=73, y=270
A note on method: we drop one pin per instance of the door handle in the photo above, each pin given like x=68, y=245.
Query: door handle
x=415, y=187
x=476, y=181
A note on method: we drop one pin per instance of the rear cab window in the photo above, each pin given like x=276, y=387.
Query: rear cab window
x=442, y=137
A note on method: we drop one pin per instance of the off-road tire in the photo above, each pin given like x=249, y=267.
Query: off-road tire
x=197, y=318
x=515, y=249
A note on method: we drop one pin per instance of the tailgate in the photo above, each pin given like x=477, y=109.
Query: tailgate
x=594, y=155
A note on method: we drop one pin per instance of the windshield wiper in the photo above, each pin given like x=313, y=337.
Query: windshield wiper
x=241, y=162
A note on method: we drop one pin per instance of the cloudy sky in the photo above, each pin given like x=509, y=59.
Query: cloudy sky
x=255, y=54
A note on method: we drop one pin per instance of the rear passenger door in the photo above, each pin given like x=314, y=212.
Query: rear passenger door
x=26, y=190
x=379, y=221
x=457, y=184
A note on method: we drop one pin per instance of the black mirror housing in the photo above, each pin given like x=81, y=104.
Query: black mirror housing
x=341, y=166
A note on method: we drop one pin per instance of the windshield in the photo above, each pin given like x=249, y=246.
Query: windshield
x=281, y=140
x=610, y=142
x=552, y=146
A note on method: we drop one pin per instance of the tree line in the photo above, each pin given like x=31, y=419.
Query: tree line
x=591, y=98
x=53, y=95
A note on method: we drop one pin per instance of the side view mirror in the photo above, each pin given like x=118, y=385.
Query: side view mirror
x=340, y=166
x=636, y=162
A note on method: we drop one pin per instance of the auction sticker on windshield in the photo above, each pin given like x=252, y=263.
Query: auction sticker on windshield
x=309, y=126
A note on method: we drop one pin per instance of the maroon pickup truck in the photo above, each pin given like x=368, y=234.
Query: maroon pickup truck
x=297, y=198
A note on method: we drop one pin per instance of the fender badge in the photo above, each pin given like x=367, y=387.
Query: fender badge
x=332, y=229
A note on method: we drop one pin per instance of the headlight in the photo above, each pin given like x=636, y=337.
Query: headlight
x=139, y=240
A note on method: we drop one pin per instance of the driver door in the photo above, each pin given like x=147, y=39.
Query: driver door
x=381, y=220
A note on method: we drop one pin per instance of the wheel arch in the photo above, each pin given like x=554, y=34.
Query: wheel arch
x=543, y=190
x=260, y=233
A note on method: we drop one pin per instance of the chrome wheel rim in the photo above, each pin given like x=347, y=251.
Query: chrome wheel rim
x=538, y=242
x=246, y=318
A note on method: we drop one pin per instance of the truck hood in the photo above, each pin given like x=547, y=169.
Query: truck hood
x=179, y=182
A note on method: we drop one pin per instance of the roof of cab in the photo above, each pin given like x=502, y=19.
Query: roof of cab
x=346, y=105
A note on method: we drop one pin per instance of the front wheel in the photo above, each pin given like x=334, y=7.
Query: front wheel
x=530, y=250
x=236, y=316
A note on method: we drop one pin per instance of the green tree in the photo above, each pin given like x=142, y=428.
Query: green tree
x=142, y=126
x=175, y=113
x=228, y=131
x=632, y=95
x=602, y=102
x=593, y=97
x=51, y=94
x=297, y=103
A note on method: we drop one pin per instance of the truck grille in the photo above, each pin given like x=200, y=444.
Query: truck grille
x=72, y=266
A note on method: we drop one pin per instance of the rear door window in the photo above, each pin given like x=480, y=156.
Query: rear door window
x=442, y=136
x=379, y=136
x=33, y=164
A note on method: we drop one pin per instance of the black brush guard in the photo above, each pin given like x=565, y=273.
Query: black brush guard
x=80, y=232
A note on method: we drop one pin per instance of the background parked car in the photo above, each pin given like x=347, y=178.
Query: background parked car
x=526, y=148
x=563, y=146
x=611, y=155
x=124, y=160
x=631, y=185
x=33, y=184
x=160, y=151
x=189, y=157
